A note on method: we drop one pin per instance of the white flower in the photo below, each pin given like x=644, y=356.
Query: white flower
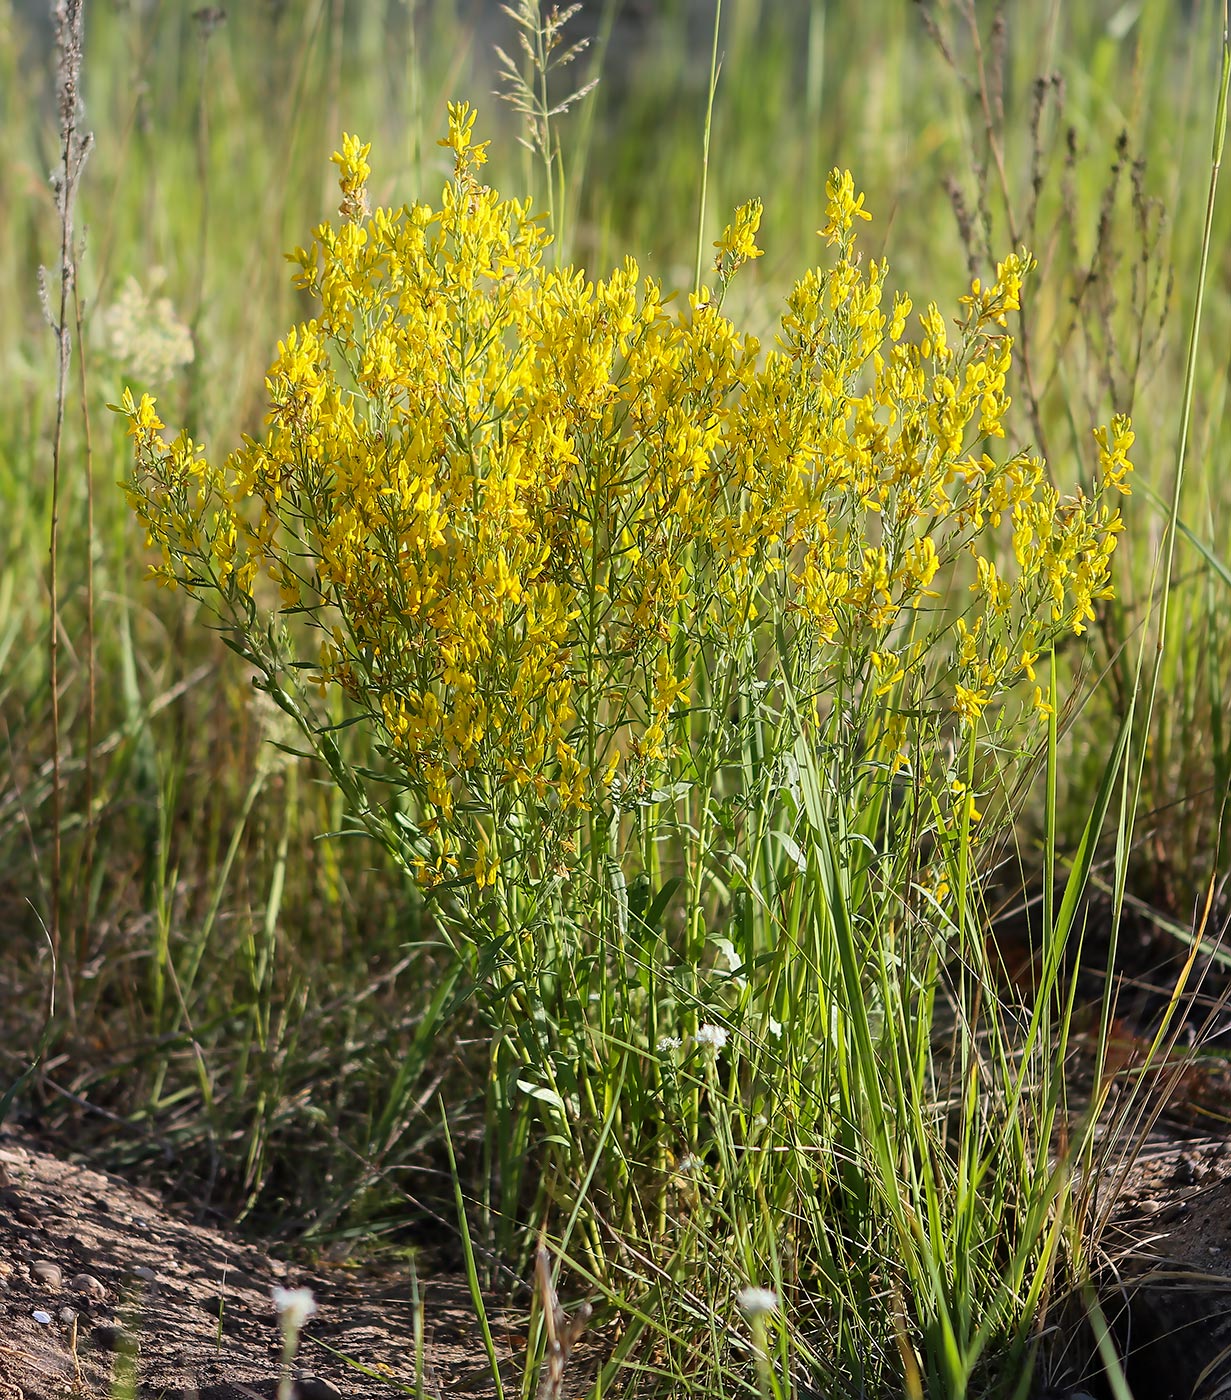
x=757, y=1302
x=295, y=1306
x=668, y=1043
x=689, y=1164
x=715, y=1037
x=145, y=334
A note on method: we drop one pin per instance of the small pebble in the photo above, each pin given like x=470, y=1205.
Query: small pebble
x=111, y=1338
x=41, y=1317
x=1187, y=1171
x=48, y=1274
x=146, y=1275
x=67, y=1316
x=89, y=1286
x=317, y=1388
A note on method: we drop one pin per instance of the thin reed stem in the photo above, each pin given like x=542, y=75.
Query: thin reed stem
x=705, y=149
x=87, y=862
x=206, y=22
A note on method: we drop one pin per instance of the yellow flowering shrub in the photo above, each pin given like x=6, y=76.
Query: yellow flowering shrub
x=692, y=668
x=526, y=515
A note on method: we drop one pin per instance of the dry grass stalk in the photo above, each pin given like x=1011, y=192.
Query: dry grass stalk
x=75, y=145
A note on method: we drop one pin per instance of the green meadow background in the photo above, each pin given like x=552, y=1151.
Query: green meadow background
x=233, y=989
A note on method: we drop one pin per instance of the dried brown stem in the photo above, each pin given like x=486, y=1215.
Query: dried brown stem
x=74, y=149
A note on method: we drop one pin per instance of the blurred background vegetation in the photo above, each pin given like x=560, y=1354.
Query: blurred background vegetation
x=231, y=986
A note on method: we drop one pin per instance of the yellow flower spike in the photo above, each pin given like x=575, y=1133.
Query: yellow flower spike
x=146, y=423
x=843, y=207
x=738, y=242
x=1114, y=445
x=485, y=867
x=468, y=157
x=889, y=671
x=353, y=172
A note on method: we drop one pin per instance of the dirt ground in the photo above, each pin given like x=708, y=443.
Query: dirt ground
x=100, y=1283
x=106, y=1290
x=1167, y=1284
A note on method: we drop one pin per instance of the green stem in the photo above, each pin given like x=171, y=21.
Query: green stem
x=705, y=157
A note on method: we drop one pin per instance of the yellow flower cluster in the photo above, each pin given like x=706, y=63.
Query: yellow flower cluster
x=520, y=505
x=738, y=243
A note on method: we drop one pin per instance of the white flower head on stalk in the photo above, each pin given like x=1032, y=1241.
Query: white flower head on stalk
x=295, y=1306
x=711, y=1037
x=667, y=1045
x=757, y=1302
x=145, y=334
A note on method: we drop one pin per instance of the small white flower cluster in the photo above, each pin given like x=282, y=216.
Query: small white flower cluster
x=711, y=1037
x=295, y=1306
x=757, y=1302
x=708, y=1037
x=144, y=333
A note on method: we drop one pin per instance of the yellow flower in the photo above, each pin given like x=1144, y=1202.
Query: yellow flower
x=460, y=139
x=485, y=867
x=889, y=671
x=964, y=803
x=352, y=163
x=1029, y=655
x=969, y=704
x=1114, y=446
x=843, y=207
x=609, y=773
x=1042, y=705
x=738, y=242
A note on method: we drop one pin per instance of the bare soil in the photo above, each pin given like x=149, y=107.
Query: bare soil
x=102, y=1285
x=1167, y=1285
